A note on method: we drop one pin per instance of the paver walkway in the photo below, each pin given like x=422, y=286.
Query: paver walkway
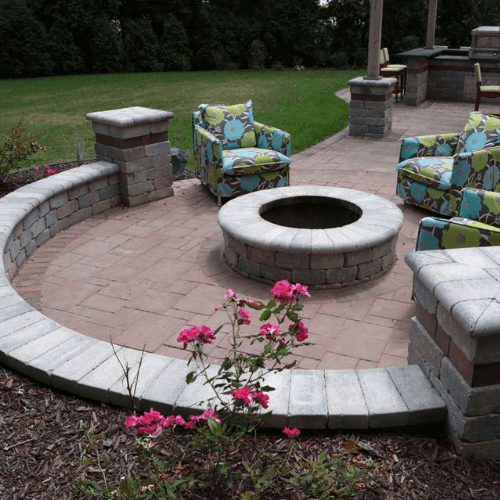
x=140, y=275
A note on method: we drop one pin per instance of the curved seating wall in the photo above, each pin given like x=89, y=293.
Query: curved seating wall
x=57, y=356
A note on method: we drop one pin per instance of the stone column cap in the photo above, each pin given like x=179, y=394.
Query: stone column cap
x=129, y=117
x=369, y=82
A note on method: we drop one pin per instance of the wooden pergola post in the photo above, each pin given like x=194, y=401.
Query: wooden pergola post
x=431, y=24
x=374, y=39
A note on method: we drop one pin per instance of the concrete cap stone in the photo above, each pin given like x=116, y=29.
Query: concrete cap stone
x=128, y=117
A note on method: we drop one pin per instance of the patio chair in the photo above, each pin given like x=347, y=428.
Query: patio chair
x=234, y=154
x=399, y=71
x=478, y=224
x=484, y=90
x=434, y=169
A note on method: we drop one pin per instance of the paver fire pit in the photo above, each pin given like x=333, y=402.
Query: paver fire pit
x=320, y=236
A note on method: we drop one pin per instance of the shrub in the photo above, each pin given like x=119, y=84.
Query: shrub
x=258, y=55
x=15, y=148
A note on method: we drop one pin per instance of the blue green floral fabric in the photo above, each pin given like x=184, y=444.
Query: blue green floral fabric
x=232, y=125
x=477, y=226
x=432, y=174
x=481, y=131
x=232, y=172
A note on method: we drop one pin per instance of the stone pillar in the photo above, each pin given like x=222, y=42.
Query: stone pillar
x=371, y=107
x=417, y=79
x=136, y=139
x=455, y=339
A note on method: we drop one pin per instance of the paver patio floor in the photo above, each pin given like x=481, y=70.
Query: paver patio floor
x=138, y=276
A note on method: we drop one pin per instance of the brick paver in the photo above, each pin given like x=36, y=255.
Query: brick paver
x=138, y=276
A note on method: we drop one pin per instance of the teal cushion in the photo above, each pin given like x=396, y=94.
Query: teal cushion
x=433, y=172
x=232, y=125
x=251, y=160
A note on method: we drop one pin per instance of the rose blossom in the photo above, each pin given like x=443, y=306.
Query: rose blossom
x=243, y=394
x=261, y=398
x=230, y=294
x=201, y=334
x=243, y=317
x=291, y=432
x=301, y=331
x=282, y=291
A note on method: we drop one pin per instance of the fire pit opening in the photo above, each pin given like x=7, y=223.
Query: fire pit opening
x=311, y=212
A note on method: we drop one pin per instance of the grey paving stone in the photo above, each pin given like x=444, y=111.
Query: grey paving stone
x=279, y=399
x=164, y=391
x=20, y=358
x=386, y=407
x=13, y=310
x=25, y=332
x=96, y=384
x=146, y=372
x=67, y=375
x=453, y=292
x=193, y=398
x=346, y=403
x=42, y=366
x=308, y=406
x=432, y=275
x=423, y=401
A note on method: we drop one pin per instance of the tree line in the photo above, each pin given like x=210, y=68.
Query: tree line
x=61, y=37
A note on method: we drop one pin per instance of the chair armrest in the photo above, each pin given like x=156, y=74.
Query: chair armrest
x=480, y=205
x=272, y=138
x=477, y=169
x=207, y=146
x=428, y=145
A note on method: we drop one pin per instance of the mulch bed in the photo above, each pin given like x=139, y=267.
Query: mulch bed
x=44, y=447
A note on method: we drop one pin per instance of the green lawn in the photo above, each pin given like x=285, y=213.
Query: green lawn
x=300, y=102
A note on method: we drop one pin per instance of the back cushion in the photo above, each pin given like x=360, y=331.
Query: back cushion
x=232, y=125
x=482, y=131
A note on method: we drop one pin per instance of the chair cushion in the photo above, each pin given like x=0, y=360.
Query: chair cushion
x=250, y=160
x=490, y=88
x=434, y=172
x=481, y=131
x=232, y=125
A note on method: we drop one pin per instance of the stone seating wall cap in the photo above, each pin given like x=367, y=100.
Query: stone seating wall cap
x=129, y=117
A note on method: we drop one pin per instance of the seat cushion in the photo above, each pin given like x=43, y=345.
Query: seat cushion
x=490, y=88
x=481, y=131
x=232, y=125
x=251, y=160
x=434, y=172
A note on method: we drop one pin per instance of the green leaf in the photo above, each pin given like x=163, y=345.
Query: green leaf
x=191, y=377
x=271, y=304
x=292, y=316
x=214, y=426
x=265, y=315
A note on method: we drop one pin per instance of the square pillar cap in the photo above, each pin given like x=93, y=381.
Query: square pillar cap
x=129, y=117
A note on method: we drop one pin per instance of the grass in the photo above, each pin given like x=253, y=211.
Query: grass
x=301, y=102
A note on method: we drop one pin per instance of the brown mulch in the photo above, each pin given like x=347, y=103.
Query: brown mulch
x=44, y=449
x=43, y=446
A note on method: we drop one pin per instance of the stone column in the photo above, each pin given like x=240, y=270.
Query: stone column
x=455, y=339
x=417, y=79
x=371, y=107
x=136, y=139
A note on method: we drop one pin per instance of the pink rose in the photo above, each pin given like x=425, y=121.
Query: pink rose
x=243, y=317
x=301, y=332
x=261, y=398
x=243, y=394
x=291, y=432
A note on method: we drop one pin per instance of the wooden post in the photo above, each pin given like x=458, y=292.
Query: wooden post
x=374, y=39
x=431, y=24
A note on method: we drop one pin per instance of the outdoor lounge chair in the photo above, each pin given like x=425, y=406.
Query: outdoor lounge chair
x=478, y=224
x=398, y=71
x=234, y=154
x=484, y=90
x=434, y=169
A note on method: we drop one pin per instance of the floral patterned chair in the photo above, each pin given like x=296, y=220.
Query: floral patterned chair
x=434, y=169
x=478, y=224
x=234, y=154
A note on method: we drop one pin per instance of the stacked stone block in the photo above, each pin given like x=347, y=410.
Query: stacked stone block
x=455, y=339
x=136, y=139
x=371, y=107
x=417, y=80
x=41, y=210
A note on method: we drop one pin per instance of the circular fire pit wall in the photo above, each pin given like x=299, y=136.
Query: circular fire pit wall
x=319, y=236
